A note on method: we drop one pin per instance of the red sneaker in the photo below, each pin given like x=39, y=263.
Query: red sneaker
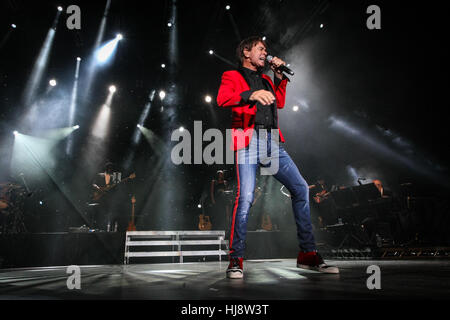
x=313, y=261
x=235, y=269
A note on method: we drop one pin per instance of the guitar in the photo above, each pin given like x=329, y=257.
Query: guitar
x=321, y=196
x=131, y=226
x=100, y=193
x=204, y=223
x=266, y=223
x=258, y=193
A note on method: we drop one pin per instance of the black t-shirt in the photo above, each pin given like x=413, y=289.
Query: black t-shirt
x=265, y=115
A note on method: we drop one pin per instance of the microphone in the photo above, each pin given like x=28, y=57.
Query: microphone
x=281, y=68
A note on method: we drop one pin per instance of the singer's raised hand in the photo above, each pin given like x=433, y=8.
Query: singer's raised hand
x=275, y=63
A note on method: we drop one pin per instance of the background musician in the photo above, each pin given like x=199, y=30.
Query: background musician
x=220, y=201
x=102, y=216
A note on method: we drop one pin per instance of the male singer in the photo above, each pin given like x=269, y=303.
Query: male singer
x=255, y=101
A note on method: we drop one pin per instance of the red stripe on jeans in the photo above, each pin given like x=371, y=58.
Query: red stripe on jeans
x=236, y=203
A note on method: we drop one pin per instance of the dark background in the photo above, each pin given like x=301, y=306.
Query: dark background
x=388, y=86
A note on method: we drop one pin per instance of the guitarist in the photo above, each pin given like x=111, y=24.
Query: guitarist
x=322, y=208
x=105, y=179
x=319, y=191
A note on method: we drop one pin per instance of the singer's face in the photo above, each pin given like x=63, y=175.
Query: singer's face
x=255, y=58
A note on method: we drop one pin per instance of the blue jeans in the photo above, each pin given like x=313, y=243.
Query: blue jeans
x=265, y=151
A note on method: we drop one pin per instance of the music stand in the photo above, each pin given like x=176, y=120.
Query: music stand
x=347, y=205
x=366, y=193
x=344, y=198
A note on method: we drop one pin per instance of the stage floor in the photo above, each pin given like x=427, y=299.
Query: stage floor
x=277, y=279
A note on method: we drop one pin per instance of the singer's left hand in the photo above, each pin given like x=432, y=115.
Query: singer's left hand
x=274, y=64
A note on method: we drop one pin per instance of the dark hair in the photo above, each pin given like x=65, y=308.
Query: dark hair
x=248, y=44
x=109, y=166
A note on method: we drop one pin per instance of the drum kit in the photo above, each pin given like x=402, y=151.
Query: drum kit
x=12, y=200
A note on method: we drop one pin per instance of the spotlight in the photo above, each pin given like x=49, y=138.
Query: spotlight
x=181, y=129
x=76, y=127
x=211, y=52
x=60, y=9
x=15, y=132
x=208, y=99
x=169, y=24
x=119, y=36
x=199, y=206
x=112, y=89
x=163, y=65
x=321, y=25
x=138, y=126
x=104, y=53
x=78, y=59
x=162, y=94
x=228, y=7
x=264, y=38
x=41, y=203
x=13, y=26
x=295, y=108
x=52, y=82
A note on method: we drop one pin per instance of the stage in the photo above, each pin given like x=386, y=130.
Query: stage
x=107, y=248
x=264, y=280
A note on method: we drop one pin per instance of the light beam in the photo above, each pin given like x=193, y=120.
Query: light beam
x=40, y=65
x=73, y=105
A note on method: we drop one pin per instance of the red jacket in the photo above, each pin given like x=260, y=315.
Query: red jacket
x=243, y=116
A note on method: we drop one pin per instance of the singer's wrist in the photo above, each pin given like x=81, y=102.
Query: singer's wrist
x=277, y=81
x=278, y=75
